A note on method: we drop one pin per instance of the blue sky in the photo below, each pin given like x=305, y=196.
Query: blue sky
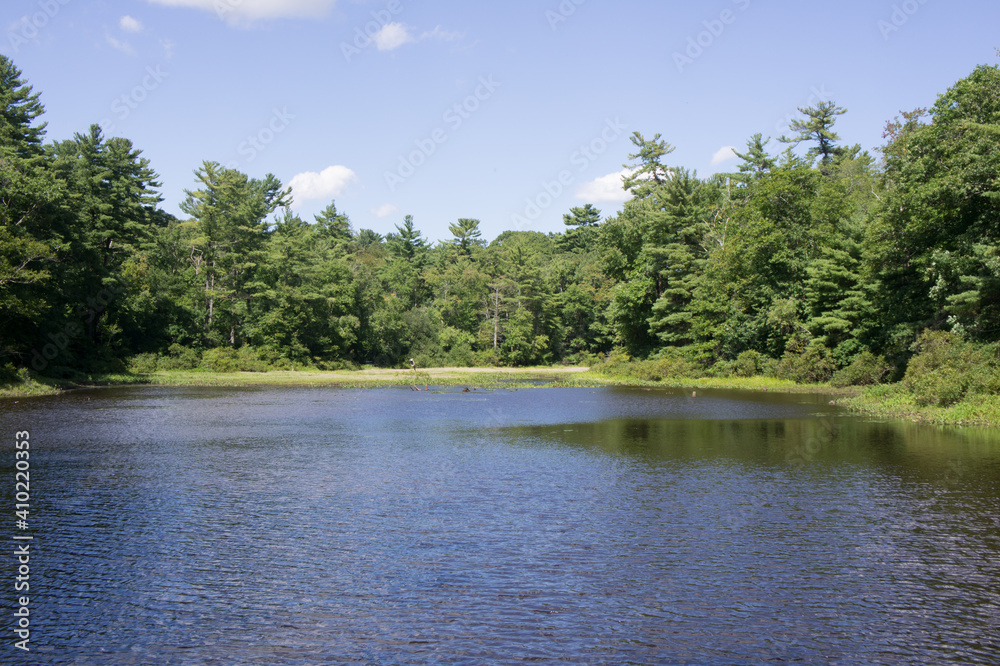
x=509, y=112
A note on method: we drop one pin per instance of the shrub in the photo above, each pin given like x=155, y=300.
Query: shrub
x=249, y=360
x=142, y=364
x=460, y=355
x=672, y=362
x=8, y=374
x=669, y=363
x=866, y=369
x=179, y=357
x=813, y=365
x=614, y=362
x=486, y=358
x=221, y=359
x=752, y=363
x=946, y=369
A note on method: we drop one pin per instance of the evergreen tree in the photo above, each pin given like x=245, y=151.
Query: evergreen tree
x=817, y=126
x=756, y=161
x=933, y=248
x=466, y=235
x=33, y=224
x=333, y=224
x=582, y=233
x=649, y=173
x=230, y=209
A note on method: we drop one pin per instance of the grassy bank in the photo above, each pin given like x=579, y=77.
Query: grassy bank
x=368, y=378
x=890, y=401
x=893, y=401
x=758, y=383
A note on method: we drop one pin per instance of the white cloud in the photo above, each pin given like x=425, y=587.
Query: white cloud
x=124, y=47
x=244, y=12
x=604, y=189
x=723, y=154
x=129, y=24
x=385, y=210
x=392, y=36
x=328, y=183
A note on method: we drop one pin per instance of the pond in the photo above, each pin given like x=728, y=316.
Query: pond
x=605, y=525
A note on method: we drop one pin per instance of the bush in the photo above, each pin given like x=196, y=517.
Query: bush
x=752, y=363
x=143, y=364
x=812, y=365
x=179, y=357
x=221, y=359
x=486, y=358
x=669, y=363
x=866, y=369
x=249, y=360
x=673, y=362
x=8, y=374
x=946, y=369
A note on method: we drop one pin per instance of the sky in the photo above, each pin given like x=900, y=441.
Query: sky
x=507, y=112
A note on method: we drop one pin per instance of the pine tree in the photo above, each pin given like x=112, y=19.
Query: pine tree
x=582, y=222
x=34, y=224
x=466, y=235
x=756, y=161
x=817, y=126
x=333, y=224
x=650, y=173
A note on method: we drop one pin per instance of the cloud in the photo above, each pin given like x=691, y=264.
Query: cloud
x=385, y=210
x=392, y=36
x=244, y=12
x=124, y=47
x=129, y=24
x=723, y=154
x=328, y=183
x=604, y=189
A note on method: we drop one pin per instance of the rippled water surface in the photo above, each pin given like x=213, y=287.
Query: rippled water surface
x=293, y=526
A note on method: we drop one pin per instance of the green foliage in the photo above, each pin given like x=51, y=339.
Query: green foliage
x=947, y=369
x=143, y=364
x=813, y=364
x=817, y=126
x=756, y=161
x=792, y=267
x=647, y=171
x=670, y=363
x=179, y=357
x=221, y=359
x=866, y=369
x=467, y=235
x=752, y=363
x=933, y=243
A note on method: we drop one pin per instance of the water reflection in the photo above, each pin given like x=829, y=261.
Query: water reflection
x=611, y=525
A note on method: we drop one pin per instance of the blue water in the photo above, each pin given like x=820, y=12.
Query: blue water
x=295, y=526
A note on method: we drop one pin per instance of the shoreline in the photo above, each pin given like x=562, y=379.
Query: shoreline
x=887, y=401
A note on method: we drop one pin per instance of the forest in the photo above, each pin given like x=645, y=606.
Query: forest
x=815, y=260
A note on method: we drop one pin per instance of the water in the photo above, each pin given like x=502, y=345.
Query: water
x=293, y=526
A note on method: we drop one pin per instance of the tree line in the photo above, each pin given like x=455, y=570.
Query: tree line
x=808, y=261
